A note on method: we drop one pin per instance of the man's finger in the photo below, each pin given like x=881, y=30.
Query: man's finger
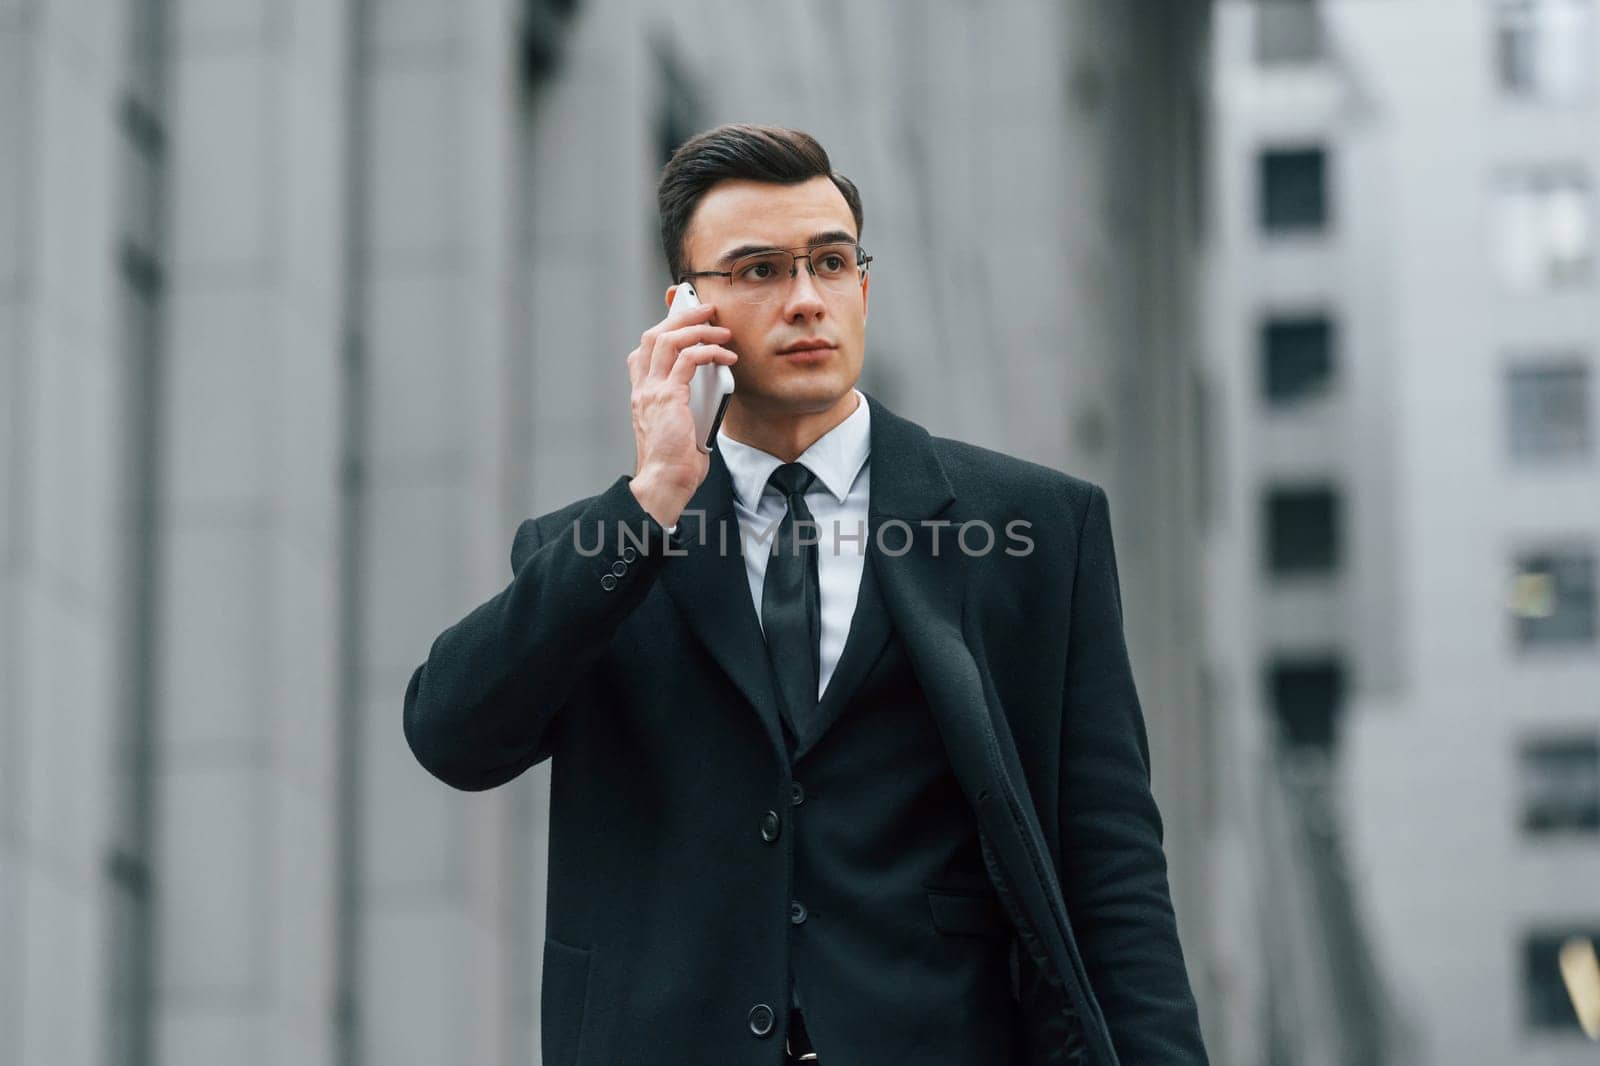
x=670, y=343
x=687, y=316
x=697, y=355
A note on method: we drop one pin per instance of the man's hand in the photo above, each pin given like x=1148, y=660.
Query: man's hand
x=669, y=468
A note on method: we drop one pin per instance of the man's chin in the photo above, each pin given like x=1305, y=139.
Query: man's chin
x=820, y=393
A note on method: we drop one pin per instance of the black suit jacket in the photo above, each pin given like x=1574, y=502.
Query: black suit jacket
x=642, y=672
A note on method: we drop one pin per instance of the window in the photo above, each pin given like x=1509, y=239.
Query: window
x=1549, y=409
x=1545, y=227
x=678, y=104
x=1293, y=190
x=1296, y=358
x=1546, y=1003
x=1302, y=533
x=1287, y=31
x=1553, y=598
x=1305, y=695
x=1560, y=785
x=1543, y=48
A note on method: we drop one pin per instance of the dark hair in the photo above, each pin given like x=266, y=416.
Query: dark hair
x=736, y=150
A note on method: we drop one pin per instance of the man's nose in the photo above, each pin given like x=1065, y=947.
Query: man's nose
x=804, y=295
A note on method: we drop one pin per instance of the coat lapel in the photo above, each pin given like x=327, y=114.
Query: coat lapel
x=863, y=647
x=709, y=587
x=925, y=594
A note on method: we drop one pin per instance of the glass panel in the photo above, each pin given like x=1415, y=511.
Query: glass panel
x=1305, y=695
x=1297, y=357
x=1544, y=48
x=1544, y=219
x=1560, y=785
x=1302, y=530
x=1546, y=1004
x=1553, y=598
x=1293, y=189
x=1287, y=31
x=1549, y=410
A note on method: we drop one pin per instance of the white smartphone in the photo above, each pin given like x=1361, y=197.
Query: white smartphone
x=711, y=386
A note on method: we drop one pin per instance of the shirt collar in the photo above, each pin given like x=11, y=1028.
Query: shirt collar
x=836, y=458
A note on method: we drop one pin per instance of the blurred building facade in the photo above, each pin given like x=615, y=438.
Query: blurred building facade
x=1404, y=335
x=304, y=306
x=1299, y=563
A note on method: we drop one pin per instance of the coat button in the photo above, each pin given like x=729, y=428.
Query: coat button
x=797, y=911
x=771, y=825
x=619, y=568
x=797, y=793
x=761, y=1019
x=628, y=554
x=608, y=582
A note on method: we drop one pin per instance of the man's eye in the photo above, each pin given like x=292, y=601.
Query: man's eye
x=833, y=263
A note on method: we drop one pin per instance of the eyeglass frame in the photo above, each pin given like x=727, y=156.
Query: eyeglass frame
x=864, y=261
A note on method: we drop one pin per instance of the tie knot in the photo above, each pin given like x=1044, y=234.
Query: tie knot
x=791, y=478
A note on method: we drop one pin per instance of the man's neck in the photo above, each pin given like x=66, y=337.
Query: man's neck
x=786, y=436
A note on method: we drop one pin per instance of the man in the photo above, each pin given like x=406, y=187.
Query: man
x=876, y=800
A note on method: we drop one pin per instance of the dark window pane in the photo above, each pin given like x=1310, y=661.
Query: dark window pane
x=1560, y=784
x=1553, y=598
x=1293, y=189
x=1305, y=695
x=1297, y=357
x=1546, y=1004
x=1549, y=409
x=1302, y=530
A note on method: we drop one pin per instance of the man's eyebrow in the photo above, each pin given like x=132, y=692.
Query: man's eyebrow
x=833, y=236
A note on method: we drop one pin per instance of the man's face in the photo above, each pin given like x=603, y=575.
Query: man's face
x=740, y=215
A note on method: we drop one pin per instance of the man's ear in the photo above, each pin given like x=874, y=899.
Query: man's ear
x=670, y=290
x=865, y=282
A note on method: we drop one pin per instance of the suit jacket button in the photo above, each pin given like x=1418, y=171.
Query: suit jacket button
x=797, y=793
x=608, y=582
x=771, y=826
x=797, y=911
x=761, y=1019
x=628, y=554
x=619, y=568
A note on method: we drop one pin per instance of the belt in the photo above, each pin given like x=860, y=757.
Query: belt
x=798, y=1044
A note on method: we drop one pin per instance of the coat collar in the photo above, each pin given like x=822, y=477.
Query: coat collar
x=708, y=583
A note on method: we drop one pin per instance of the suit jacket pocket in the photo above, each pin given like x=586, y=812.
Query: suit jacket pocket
x=563, y=1002
x=967, y=913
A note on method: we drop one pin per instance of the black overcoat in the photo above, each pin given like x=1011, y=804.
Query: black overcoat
x=640, y=669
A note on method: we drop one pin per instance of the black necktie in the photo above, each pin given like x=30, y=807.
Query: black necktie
x=791, y=601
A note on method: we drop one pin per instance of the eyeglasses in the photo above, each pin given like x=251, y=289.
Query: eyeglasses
x=763, y=276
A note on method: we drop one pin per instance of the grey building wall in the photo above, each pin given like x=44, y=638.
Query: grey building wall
x=306, y=306
x=1305, y=973
x=1424, y=792
x=1457, y=883
x=61, y=594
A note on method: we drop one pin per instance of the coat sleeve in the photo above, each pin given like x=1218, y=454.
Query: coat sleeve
x=1113, y=871
x=484, y=705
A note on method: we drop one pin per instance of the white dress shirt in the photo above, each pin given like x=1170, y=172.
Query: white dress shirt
x=838, y=502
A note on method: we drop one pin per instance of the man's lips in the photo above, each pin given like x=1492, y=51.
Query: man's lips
x=802, y=347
